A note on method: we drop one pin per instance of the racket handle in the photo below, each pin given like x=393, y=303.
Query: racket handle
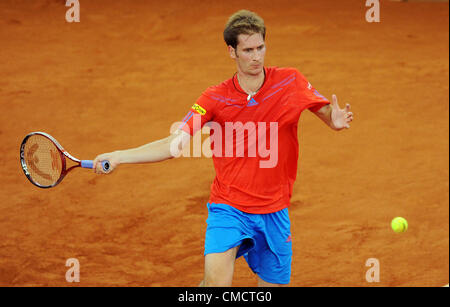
x=105, y=166
x=90, y=164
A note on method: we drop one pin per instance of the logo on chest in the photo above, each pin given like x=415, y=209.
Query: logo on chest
x=252, y=102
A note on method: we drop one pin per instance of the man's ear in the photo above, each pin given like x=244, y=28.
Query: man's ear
x=232, y=52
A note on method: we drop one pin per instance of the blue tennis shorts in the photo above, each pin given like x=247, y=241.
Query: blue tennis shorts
x=264, y=239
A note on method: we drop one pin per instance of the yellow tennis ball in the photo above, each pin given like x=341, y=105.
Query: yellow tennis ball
x=399, y=225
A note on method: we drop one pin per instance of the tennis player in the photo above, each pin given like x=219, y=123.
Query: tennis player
x=249, y=200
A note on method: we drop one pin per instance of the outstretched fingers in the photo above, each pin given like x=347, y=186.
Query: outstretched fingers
x=334, y=101
x=347, y=108
x=349, y=119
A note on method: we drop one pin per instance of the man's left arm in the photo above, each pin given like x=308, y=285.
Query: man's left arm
x=335, y=117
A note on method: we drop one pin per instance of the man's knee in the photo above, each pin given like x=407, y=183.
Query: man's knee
x=216, y=281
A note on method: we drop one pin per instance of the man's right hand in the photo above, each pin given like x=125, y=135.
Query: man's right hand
x=112, y=157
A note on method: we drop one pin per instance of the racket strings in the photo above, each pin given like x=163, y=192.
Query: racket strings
x=43, y=160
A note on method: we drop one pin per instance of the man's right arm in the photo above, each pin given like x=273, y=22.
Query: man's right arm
x=156, y=151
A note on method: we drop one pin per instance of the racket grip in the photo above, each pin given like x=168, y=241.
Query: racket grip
x=90, y=164
x=87, y=164
x=105, y=166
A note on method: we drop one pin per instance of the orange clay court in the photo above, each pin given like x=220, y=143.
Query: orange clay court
x=129, y=69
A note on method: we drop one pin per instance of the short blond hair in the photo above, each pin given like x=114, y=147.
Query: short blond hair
x=243, y=22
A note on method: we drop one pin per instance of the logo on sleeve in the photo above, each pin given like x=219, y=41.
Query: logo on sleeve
x=198, y=109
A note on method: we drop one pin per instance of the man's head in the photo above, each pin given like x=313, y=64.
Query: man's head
x=244, y=35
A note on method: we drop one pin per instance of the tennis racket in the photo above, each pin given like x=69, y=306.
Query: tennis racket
x=43, y=160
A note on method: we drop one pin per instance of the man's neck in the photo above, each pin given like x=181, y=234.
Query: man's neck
x=250, y=83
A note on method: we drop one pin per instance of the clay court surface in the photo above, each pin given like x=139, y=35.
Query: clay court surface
x=129, y=69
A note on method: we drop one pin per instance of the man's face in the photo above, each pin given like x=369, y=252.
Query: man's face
x=249, y=53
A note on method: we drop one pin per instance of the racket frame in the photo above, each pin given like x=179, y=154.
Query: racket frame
x=63, y=153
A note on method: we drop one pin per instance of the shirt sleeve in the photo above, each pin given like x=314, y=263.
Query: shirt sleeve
x=200, y=113
x=310, y=98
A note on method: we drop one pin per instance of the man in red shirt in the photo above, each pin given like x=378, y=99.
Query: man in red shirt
x=253, y=118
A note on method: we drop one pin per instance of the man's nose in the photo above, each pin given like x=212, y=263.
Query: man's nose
x=257, y=56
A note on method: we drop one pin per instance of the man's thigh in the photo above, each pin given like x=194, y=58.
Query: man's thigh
x=219, y=268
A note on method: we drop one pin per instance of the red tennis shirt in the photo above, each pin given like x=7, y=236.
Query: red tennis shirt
x=254, y=139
